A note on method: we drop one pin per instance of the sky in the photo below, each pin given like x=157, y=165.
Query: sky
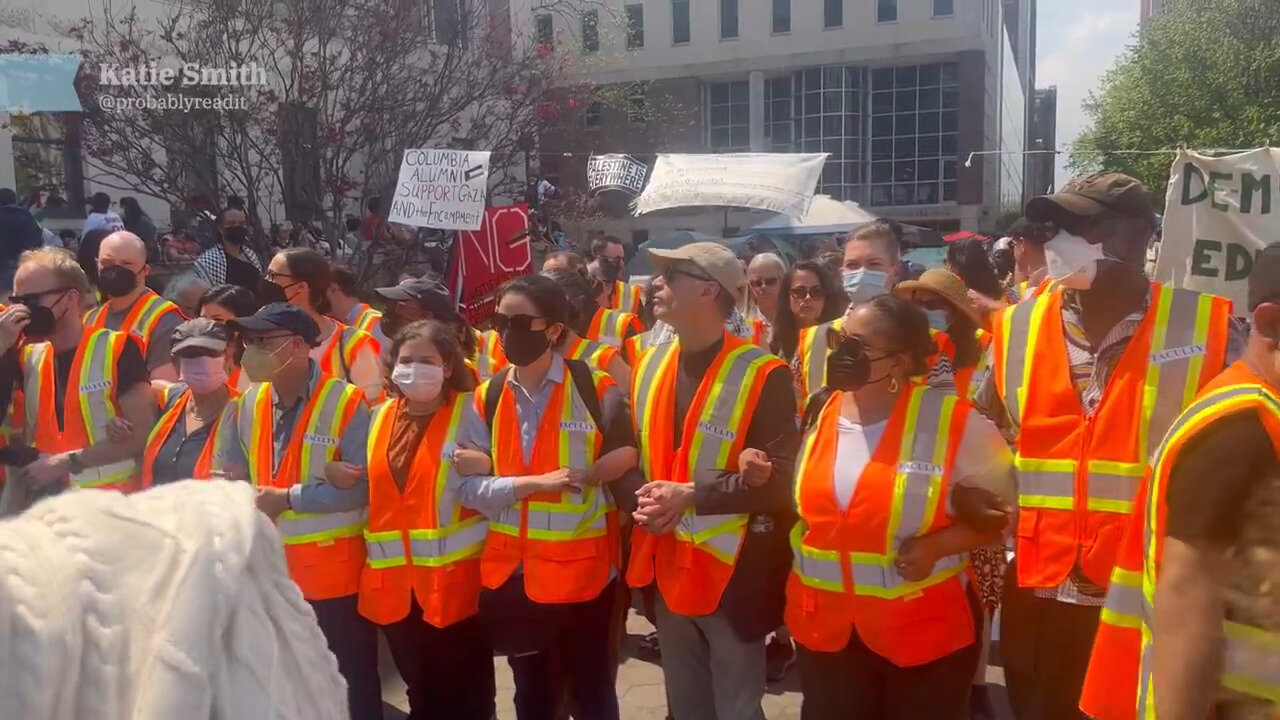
x=1077, y=41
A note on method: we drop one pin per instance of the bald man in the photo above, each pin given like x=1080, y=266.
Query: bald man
x=564, y=260
x=131, y=307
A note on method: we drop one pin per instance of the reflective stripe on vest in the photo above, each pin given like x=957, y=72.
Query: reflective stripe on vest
x=367, y=318
x=313, y=444
x=920, y=477
x=609, y=326
x=812, y=351
x=626, y=297
x=1251, y=656
x=1179, y=326
x=341, y=349
x=597, y=355
x=89, y=403
x=489, y=357
x=1123, y=606
x=140, y=321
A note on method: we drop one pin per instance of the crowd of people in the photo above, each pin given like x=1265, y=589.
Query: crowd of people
x=848, y=464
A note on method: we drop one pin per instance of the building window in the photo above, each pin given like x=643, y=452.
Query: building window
x=591, y=115
x=777, y=114
x=543, y=30
x=635, y=27
x=832, y=13
x=680, y=30
x=728, y=19
x=944, y=8
x=591, y=31
x=729, y=116
x=446, y=21
x=886, y=11
x=637, y=105
x=782, y=16
x=914, y=120
x=827, y=108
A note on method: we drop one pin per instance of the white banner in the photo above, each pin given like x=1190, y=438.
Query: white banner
x=1218, y=216
x=778, y=182
x=443, y=189
x=615, y=172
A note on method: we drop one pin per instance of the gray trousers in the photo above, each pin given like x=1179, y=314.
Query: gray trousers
x=711, y=673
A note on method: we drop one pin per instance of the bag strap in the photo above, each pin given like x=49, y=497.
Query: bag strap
x=586, y=387
x=492, y=393
x=813, y=408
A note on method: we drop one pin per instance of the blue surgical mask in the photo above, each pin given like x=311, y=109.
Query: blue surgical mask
x=937, y=319
x=863, y=285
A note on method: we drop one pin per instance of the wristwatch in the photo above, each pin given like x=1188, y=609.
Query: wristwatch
x=73, y=461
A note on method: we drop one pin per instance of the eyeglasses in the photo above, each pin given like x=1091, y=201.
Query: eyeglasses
x=761, y=283
x=34, y=298
x=805, y=293
x=852, y=344
x=261, y=340
x=272, y=275
x=668, y=276
x=520, y=323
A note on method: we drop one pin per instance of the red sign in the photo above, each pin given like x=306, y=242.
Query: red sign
x=483, y=260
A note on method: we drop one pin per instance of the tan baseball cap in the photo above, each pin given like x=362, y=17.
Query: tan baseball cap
x=1092, y=195
x=945, y=285
x=716, y=260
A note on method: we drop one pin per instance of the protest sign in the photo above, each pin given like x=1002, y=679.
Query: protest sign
x=443, y=189
x=778, y=182
x=483, y=260
x=1218, y=216
x=615, y=172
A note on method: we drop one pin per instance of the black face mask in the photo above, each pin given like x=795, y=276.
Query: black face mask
x=117, y=281
x=848, y=366
x=611, y=270
x=42, y=321
x=269, y=292
x=236, y=235
x=522, y=347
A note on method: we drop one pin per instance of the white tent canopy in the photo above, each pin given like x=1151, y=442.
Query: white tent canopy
x=826, y=215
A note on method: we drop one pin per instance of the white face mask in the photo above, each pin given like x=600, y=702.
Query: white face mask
x=864, y=285
x=419, y=382
x=202, y=374
x=1072, y=260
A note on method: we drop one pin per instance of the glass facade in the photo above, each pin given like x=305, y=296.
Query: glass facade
x=914, y=120
x=827, y=107
x=729, y=116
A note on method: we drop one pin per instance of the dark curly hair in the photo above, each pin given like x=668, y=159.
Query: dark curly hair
x=906, y=328
x=444, y=338
x=786, y=329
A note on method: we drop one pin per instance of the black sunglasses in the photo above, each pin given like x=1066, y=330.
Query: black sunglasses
x=31, y=299
x=764, y=282
x=801, y=293
x=520, y=323
x=668, y=276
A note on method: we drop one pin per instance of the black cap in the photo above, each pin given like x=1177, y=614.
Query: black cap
x=275, y=317
x=199, y=334
x=1264, y=280
x=427, y=290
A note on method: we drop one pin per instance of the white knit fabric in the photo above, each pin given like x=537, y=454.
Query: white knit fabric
x=172, y=603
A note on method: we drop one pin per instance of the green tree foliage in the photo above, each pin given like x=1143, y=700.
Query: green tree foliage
x=1204, y=74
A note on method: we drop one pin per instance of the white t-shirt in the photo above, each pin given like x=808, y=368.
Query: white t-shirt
x=103, y=221
x=983, y=459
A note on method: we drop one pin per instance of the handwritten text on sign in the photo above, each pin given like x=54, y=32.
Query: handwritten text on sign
x=1218, y=216
x=443, y=189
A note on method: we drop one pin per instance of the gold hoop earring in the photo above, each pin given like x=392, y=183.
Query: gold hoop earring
x=893, y=385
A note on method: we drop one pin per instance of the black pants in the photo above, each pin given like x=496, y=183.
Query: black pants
x=354, y=641
x=579, y=654
x=1044, y=648
x=858, y=684
x=448, y=671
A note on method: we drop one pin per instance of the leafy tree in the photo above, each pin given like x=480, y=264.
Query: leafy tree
x=1204, y=74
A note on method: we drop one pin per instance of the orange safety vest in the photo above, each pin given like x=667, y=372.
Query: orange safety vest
x=1078, y=474
x=566, y=541
x=324, y=551
x=964, y=377
x=489, y=355
x=90, y=402
x=141, y=320
x=843, y=575
x=597, y=355
x=693, y=564
x=627, y=297
x=340, y=350
x=367, y=319
x=421, y=544
x=611, y=327
x=757, y=332
x=1027, y=292
x=636, y=346
x=176, y=397
x=1117, y=685
x=812, y=353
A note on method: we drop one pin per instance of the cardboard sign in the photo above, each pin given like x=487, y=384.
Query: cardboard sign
x=442, y=189
x=778, y=182
x=483, y=260
x=615, y=172
x=1218, y=216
